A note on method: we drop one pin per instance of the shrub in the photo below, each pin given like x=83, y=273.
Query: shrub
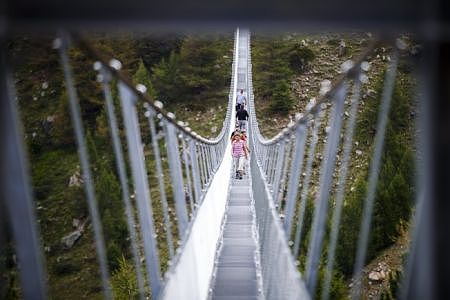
x=124, y=281
x=282, y=101
x=300, y=58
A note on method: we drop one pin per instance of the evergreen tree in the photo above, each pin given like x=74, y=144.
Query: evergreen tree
x=198, y=60
x=154, y=47
x=143, y=77
x=124, y=281
x=166, y=79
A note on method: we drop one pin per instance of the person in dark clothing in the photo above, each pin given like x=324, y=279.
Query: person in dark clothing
x=242, y=118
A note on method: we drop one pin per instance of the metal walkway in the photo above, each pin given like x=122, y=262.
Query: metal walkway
x=236, y=266
x=236, y=270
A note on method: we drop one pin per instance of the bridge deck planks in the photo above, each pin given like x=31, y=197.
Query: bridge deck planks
x=236, y=273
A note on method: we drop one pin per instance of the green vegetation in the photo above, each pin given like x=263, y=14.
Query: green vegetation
x=395, y=192
x=272, y=71
x=275, y=62
x=281, y=64
x=73, y=273
x=124, y=281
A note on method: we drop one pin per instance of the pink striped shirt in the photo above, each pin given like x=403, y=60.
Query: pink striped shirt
x=238, y=148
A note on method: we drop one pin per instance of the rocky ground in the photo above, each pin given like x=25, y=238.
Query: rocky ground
x=376, y=274
x=332, y=50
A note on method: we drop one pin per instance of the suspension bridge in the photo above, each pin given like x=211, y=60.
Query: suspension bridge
x=237, y=239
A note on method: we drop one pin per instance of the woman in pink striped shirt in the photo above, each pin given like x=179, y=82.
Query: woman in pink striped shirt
x=238, y=152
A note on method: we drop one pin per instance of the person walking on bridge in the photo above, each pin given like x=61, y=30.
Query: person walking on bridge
x=240, y=100
x=242, y=117
x=239, y=154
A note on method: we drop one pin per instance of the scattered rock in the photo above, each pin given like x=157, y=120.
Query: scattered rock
x=377, y=276
x=76, y=223
x=76, y=179
x=45, y=85
x=358, y=152
x=214, y=129
x=69, y=240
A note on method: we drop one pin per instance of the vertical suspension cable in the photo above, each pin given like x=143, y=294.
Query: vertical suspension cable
x=336, y=219
x=320, y=214
x=139, y=172
x=278, y=197
x=150, y=114
x=121, y=170
x=195, y=172
x=373, y=173
x=201, y=164
x=274, y=166
x=84, y=162
x=188, y=175
x=419, y=268
x=296, y=167
x=305, y=184
x=16, y=191
x=177, y=178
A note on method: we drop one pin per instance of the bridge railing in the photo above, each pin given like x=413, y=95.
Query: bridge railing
x=160, y=162
x=283, y=171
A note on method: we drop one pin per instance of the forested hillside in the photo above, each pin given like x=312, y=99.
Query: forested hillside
x=190, y=74
x=287, y=71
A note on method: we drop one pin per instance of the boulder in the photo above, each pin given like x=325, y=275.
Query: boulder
x=377, y=276
x=69, y=240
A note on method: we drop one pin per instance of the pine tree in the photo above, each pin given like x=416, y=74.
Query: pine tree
x=124, y=281
x=198, y=58
x=143, y=77
x=166, y=79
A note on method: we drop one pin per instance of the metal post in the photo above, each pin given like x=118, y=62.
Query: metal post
x=284, y=175
x=278, y=170
x=373, y=172
x=143, y=198
x=150, y=114
x=188, y=173
x=305, y=184
x=121, y=170
x=195, y=171
x=15, y=188
x=84, y=161
x=177, y=177
x=336, y=219
x=296, y=167
x=201, y=164
x=320, y=214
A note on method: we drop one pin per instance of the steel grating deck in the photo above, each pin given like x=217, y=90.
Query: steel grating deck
x=236, y=268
